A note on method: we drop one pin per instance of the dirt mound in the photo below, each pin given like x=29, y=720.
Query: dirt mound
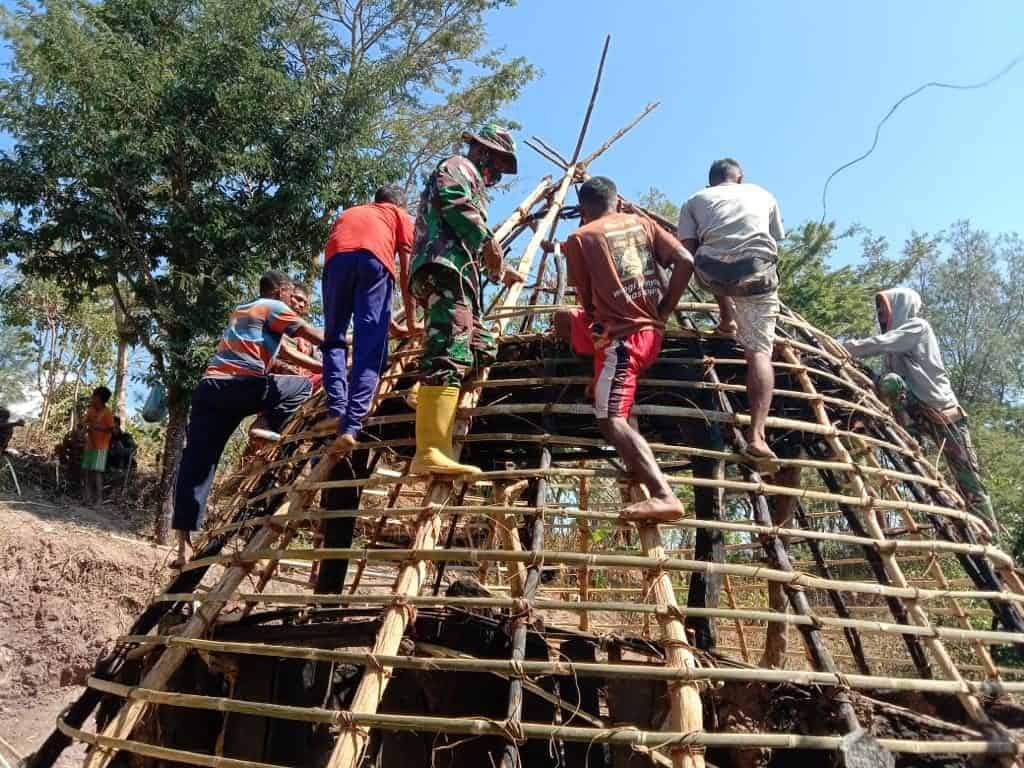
x=70, y=582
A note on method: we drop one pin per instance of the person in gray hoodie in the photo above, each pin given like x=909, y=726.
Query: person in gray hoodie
x=917, y=386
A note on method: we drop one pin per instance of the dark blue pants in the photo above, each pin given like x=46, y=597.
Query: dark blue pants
x=356, y=290
x=218, y=407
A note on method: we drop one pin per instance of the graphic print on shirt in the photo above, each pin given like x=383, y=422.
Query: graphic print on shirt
x=634, y=262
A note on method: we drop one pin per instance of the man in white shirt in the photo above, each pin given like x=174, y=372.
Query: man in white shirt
x=733, y=229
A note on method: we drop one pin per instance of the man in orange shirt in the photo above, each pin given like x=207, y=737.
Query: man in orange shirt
x=359, y=277
x=611, y=262
x=99, y=424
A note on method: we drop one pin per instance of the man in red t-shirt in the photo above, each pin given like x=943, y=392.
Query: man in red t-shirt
x=611, y=263
x=358, y=280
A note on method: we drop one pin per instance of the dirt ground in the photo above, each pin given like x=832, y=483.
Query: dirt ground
x=71, y=580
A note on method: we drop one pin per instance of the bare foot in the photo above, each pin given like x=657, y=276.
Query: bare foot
x=728, y=329
x=759, y=449
x=654, y=510
x=184, y=544
x=760, y=457
x=343, y=445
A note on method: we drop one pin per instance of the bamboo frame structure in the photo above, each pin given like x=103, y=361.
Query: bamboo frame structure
x=887, y=574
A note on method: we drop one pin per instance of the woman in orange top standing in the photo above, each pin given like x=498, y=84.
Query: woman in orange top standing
x=99, y=424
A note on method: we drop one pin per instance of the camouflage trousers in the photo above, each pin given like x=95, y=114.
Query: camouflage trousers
x=954, y=440
x=456, y=341
x=962, y=461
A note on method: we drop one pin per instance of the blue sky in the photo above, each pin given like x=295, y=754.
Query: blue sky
x=792, y=89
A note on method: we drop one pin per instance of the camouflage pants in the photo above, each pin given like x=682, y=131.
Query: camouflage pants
x=456, y=341
x=962, y=461
x=954, y=440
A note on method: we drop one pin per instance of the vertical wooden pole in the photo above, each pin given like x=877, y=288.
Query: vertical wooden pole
x=709, y=544
x=686, y=709
x=510, y=757
x=583, y=572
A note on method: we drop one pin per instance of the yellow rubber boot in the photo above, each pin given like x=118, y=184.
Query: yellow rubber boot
x=435, y=423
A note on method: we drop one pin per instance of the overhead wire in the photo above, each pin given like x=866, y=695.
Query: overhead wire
x=878, y=128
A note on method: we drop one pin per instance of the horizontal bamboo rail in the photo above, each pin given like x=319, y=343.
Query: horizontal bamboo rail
x=988, y=637
x=592, y=669
x=923, y=546
x=486, y=727
x=761, y=489
x=594, y=560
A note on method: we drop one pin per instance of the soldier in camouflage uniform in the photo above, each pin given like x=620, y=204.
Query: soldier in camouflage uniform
x=917, y=387
x=452, y=244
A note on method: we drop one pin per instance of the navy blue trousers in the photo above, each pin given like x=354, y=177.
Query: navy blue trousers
x=218, y=407
x=357, y=291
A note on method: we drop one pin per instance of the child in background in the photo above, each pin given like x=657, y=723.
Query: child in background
x=99, y=425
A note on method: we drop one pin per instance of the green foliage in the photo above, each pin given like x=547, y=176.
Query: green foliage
x=59, y=348
x=837, y=300
x=182, y=147
x=173, y=150
x=970, y=283
x=15, y=359
x=998, y=435
x=658, y=202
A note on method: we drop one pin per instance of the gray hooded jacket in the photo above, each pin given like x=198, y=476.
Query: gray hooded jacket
x=911, y=350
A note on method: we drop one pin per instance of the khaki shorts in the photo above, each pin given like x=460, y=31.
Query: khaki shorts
x=755, y=321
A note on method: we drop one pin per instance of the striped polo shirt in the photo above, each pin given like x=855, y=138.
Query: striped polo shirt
x=250, y=342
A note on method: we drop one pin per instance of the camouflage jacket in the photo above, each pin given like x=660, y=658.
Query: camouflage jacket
x=451, y=224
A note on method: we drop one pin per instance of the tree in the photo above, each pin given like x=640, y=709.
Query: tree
x=184, y=146
x=656, y=201
x=837, y=300
x=974, y=298
x=15, y=357
x=66, y=345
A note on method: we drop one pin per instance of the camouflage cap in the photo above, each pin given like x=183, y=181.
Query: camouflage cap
x=499, y=139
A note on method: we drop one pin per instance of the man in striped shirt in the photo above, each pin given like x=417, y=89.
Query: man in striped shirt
x=237, y=384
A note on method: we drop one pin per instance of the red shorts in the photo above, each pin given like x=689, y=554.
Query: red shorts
x=618, y=364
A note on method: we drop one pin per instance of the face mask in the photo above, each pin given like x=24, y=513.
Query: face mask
x=491, y=175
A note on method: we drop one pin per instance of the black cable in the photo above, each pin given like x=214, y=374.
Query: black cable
x=878, y=128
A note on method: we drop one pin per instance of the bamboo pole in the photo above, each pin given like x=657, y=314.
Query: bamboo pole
x=618, y=135
x=533, y=246
x=794, y=579
x=506, y=528
x=583, y=573
x=510, y=757
x=618, y=671
x=738, y=622
x=686, y=710
x=352, y=740
x=522, y=211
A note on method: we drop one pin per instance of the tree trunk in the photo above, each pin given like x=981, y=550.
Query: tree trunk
x=174, y=442
x=121, y=369
x=121, y=380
